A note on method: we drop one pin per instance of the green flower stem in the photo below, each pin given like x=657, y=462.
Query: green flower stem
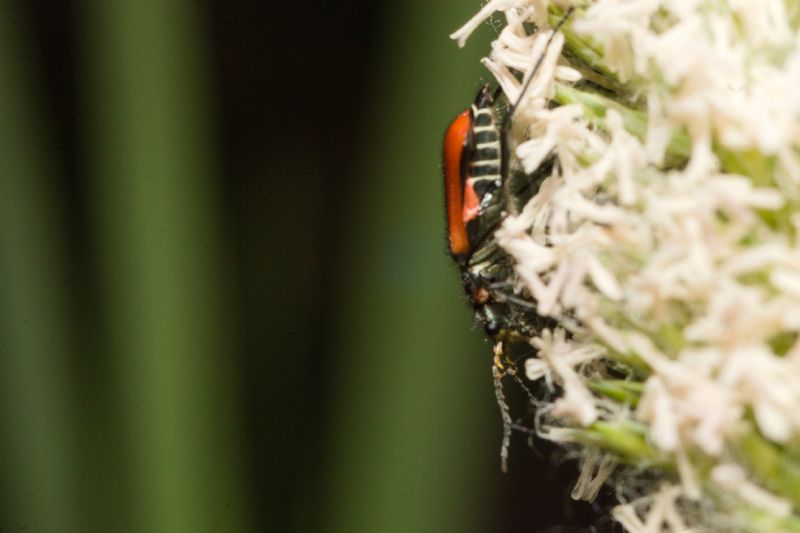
x=793, y=13
x=761, y=170
x=751, y=163
x=625, y=392
x=747, y=517
x=763, y=521
x=771, y=467
x=625, y=439
x=584, y=49
x=782, y=342
x=587, y=56
x=629, y=360
x=669, y=338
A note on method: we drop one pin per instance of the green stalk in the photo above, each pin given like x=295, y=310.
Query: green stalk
x=751, y=163
x=584, y=49
x=624, y=392
x=159, y=239
x=760, y=169
x=412, y=388
x=764, y=522
x=626, y=439
x=37, y=415
x=770, y=465
x=747, y=517
x=793, y=13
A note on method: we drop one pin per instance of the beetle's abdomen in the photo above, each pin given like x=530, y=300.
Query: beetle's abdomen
x=484, y=167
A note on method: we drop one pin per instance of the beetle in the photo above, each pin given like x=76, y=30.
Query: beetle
x=480, y=189
x=476, y=200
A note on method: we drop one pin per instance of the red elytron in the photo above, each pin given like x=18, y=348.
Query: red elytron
x=455, y=148
x=472, y=169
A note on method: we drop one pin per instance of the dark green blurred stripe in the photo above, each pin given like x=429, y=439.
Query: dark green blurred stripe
x=414, y=388
x=159, y=238
x=37, y=428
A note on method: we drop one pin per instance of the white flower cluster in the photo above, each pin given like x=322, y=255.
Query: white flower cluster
x=684, y=260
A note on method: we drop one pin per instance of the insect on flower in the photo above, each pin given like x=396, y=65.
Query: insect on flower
x=480, y=189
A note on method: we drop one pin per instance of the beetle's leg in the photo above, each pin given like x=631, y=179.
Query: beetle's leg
x=498, y=355
x=502, y=361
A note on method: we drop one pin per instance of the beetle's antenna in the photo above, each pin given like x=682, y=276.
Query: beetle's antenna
x=536, y=66
x=504, y=413
x=497, y=93
x=504, y=170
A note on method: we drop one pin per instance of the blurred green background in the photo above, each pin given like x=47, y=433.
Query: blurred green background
x=225, y=302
